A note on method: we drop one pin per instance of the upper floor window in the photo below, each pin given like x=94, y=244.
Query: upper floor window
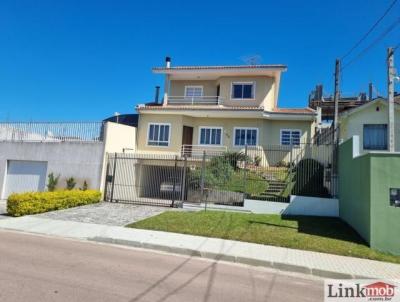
x=193, y=91
x=290, y=137
x=243, y=90
x=158, y=134
x=210, y=136
x=375, y=137
x=246, y=136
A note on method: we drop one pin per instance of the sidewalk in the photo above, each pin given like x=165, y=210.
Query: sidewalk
x=318, y=264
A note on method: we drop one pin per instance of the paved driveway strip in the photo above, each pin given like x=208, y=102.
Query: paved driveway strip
x=117, y=214
x=319, y=264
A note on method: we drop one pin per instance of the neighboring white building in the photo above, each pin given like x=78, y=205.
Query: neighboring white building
x=370, y=123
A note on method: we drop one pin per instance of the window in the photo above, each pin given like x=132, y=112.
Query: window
x=245, y=136
x=243, y=90
x=193, y=91
x=290, y=137
x=375, y=137
x=210, y=136
x=158, y=135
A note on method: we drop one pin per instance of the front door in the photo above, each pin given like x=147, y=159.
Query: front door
x=187, y=140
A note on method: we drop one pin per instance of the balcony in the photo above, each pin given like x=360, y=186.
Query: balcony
x=195, y=100
x=197, y=151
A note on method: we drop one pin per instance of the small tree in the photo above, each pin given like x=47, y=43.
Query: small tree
x=70, y=183
x=52, y=182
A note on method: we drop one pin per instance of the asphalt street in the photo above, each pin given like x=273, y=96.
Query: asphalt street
x=38, y=268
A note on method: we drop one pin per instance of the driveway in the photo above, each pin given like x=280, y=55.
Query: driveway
x=117, y=214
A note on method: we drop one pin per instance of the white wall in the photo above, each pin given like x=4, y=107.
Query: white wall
x=299, y=205
x=118, y=138
x=81, y=160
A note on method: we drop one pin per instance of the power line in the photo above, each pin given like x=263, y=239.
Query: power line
x=370, y=30
x=376, y=41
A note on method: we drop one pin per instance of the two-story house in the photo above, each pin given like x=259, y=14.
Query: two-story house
x=220, y=107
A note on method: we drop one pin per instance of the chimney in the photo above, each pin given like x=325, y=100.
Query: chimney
x=167, y=62
x=370, y=88
x=157, y=94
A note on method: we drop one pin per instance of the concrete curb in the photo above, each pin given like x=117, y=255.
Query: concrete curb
x=231, y=258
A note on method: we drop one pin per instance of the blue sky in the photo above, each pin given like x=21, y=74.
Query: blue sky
x=84, y=60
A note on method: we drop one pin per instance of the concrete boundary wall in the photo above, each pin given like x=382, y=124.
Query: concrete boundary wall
x=83, y=160
x=298, y=206
x=365, y=185
x=80, y=160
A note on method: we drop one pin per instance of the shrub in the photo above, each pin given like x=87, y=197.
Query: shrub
x=52, y=182
x=70, y=183
x=195, y=179
x=257, y=160
x=220, y=168
x=309, y=179
x=40, y=202
x=234, y=157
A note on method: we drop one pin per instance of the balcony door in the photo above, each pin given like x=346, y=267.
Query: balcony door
x=187, y=140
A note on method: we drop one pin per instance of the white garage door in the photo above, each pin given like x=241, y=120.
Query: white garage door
x=25, y=176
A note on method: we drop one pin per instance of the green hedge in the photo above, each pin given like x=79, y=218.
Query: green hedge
x=40, y=202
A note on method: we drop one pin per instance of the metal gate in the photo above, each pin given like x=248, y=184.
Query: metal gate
x=144, y=179
x=271, y=173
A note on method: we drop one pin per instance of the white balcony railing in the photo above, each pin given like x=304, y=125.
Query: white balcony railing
x=199, y=150
x=195, y=100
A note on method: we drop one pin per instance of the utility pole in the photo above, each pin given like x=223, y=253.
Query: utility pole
x=391, y=75
x=336, y=101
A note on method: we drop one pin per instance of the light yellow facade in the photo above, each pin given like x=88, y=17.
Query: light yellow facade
x=269, y=131
x=375, y=113
x=259, y=112
x=264, y=90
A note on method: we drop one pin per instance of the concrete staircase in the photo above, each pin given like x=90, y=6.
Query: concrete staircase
x=275, y=190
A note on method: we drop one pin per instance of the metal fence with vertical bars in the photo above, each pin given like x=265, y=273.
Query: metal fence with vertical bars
x=270, y=173
x=51, y=131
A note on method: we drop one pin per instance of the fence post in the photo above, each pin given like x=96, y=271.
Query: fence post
x=106, y=181
x=183, y=179
x=174, y=183
x=203, y=167
x=245, y=170
x=113, y=179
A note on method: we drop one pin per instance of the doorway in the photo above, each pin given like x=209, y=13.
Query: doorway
x=187, y=140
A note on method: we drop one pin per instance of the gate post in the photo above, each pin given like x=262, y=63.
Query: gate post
x=106, y=180
x=183, y=179
x=113, y=179
x=174, y=183
x=245, y=170
x=203, y=167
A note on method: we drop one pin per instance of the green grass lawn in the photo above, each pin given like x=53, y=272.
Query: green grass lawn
x=327, y=235
x=255, y=184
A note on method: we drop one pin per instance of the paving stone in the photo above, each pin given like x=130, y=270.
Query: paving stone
x=116, y=214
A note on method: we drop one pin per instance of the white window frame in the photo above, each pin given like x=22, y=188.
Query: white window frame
x=211, y=127
x=194, y=86
x=159, y=124
x=244, y=83
x=290, y=130
x=244, y=128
